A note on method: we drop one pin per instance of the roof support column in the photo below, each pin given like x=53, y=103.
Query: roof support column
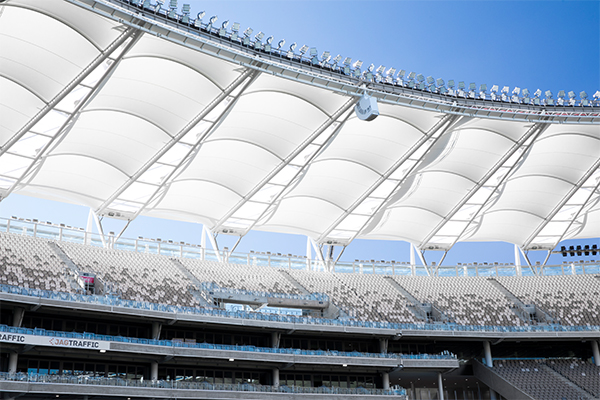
x=213, y=242
x=518, y=261
x=92, y=215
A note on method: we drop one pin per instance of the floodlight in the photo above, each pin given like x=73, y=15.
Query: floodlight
x=268, y=44
x=482, y=88
x=185, y=10
x=157, y=6
x=248, y=32
x=380, y=70
x=212, y=20
x=347, y=61
x=173, y=4
x=259, y=36
x=303, y=49
x=146, y=4
x=401, y=74
x=472, y=86
x=326, y=56
x=371, y=68
x=596, y=95
x=290, y=53
x=269, y=40
x=337, y=59
x=235, y=27
x=548, y=94
x=223, y=30
x=358, y=64
x=505, y=89
x=451, y=83
x=516, y=90
x=430, y=80
x=561, y=94
x=583, y=95
x=525, y=92
x=443, y=90
x=571, y=94
x=422, y=86
x=280, y=44
x=198, y=21
x=420, y=78
x=494, y=89
x=461, y=85
x=313, y=52
x=391, y=72
x=411, y=76
x=537, y=93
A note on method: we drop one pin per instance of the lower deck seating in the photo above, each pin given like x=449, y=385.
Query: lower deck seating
x=536, y=379
x=583, y=374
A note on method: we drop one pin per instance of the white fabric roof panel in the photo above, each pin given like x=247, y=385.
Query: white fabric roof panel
x=276, y=153
x=40, y=62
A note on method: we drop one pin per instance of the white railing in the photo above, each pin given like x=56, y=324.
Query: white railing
x=64, y=233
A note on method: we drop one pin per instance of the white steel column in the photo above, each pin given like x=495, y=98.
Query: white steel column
x=440, y=386
x=596, y=353
x=487, y=351
x=518, y=261
x=213, y=242
x=275, y=377
x=386, y=380
x=154, y=370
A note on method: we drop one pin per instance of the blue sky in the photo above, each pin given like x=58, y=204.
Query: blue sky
x=550, y=45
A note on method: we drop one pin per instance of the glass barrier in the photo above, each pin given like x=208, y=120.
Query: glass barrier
x=187, y=385
x=115, y=301
x=282, y=261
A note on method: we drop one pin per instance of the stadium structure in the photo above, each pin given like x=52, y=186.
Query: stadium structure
x=134, y=107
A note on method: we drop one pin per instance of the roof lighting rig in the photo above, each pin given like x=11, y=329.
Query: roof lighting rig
x=413, y=80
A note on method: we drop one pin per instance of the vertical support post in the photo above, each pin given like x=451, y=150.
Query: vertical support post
x=18, y=316
x=308, y=253
x=440, y=386
x=383, y=345
x=487, y=351
x=156, y=328
x=596, y=353
x=518, y=260
x=213, y=242
x=386, y=380
x=154, y=370
x=275, y=339
x=412, y=260
x=276, y=377
x=13, y=358
x=493, y=395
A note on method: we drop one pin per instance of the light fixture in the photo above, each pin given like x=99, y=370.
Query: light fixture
x=259, y=36
x=159, y=3
x=280, y=44
x=325, y=57
x=549, y=99
x=572, y=98
x=303, y=49
x=439, y=82
x=185, y=10
x=268, y=44
x=103, y=351
x=313, y=55
x=172, y=7
x=337, y=59
x=247, y=34
x=584, y=98
x=515, y=94
x=504, y=92
x=357, y=64
x=420, y=78
x=223, y=30
x=198, y=21
x=290, y=53
x=561, y=97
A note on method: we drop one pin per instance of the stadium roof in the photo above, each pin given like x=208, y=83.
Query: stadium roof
x=120, y=108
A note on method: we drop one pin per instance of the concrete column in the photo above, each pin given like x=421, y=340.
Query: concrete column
x=275, y=339
x=275, y=376
x=383, y=345
x=386, y=380
x=596, y=353
x=156, y=328
x=154, y=371
x=13, y=358
x=440, y=386
x=487, y=351
x=18, y=316
x=412, y=390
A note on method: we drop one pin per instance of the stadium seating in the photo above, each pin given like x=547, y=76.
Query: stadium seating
x=466, y=300
x=140, y=277
x=536, y=379
x=571, y=299
x=583, y=374
x=31, y=263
